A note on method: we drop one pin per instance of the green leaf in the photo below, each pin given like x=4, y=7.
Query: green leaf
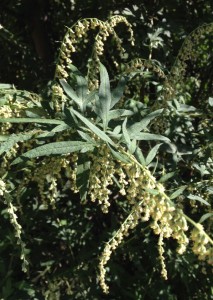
x=60, y=128
x=139, y=156
x=82, y=176
x=4, y=137
x=35, y=112
x=143, y=136
x=117, y=93
x=82, y=87
x=186, y=108
x=198, y=198
x=166, y=177
x=71, y=93
x=210, y=100
x=152, y=191
x=119, y=156
x=3, y=101
x=91, y=96
x=205, y=217
x=125, y=133
x=103, y=104
x=152, y=154
x=30, y=120
x=115, y=133
x=56, y=148
x=13, y=139
x=93, y=128
x=6, y=86
x=139, y=126
x=178, y=192
x=119, y=113
x=86, y=137
x=132, y=146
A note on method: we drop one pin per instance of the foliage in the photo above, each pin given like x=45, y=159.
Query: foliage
x=114, y=167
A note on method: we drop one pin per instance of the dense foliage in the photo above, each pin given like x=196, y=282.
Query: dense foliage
x=106, y=143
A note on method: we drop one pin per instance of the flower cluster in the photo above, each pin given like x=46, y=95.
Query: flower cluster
x=101, y=177
x=47, y=175
x=189, y=51
x=2, y=187
x=130, y=223
x=79, y=31
x=201, y=245
x=11, y=210
x=148, y=201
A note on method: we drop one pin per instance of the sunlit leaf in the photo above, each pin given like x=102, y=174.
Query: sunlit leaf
x=103, y=104
x=143, y=136
x=30, y=120
x=166, y=177
x=125, y=133
x=119, y=156
x=178, y=192
x=139, y=126
x=71, y=93
x=151, y=155
x=205, y=217
x=119, y=113
x=13, y=139
x=82, y=176
x=117, y=93
x=81, y=87
x=140, y=157
x=56, y=148
x=93, y=128
x=198, y=198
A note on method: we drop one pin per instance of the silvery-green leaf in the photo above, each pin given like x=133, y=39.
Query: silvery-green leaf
x=178, y=192
x=93, y=128
x=56, y=148
x=198, y=198
x=151, y=155
x=103, y=104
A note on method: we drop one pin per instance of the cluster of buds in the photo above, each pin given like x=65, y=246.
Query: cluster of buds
x=115, y=20
x=201, y=245
x=148, y=201
x=101, y=177
x=130, y=223
x=47, y=176
x=69, y=44
x=189, y=51
x=11, y=210
x=2, y=187
x=80, y=31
